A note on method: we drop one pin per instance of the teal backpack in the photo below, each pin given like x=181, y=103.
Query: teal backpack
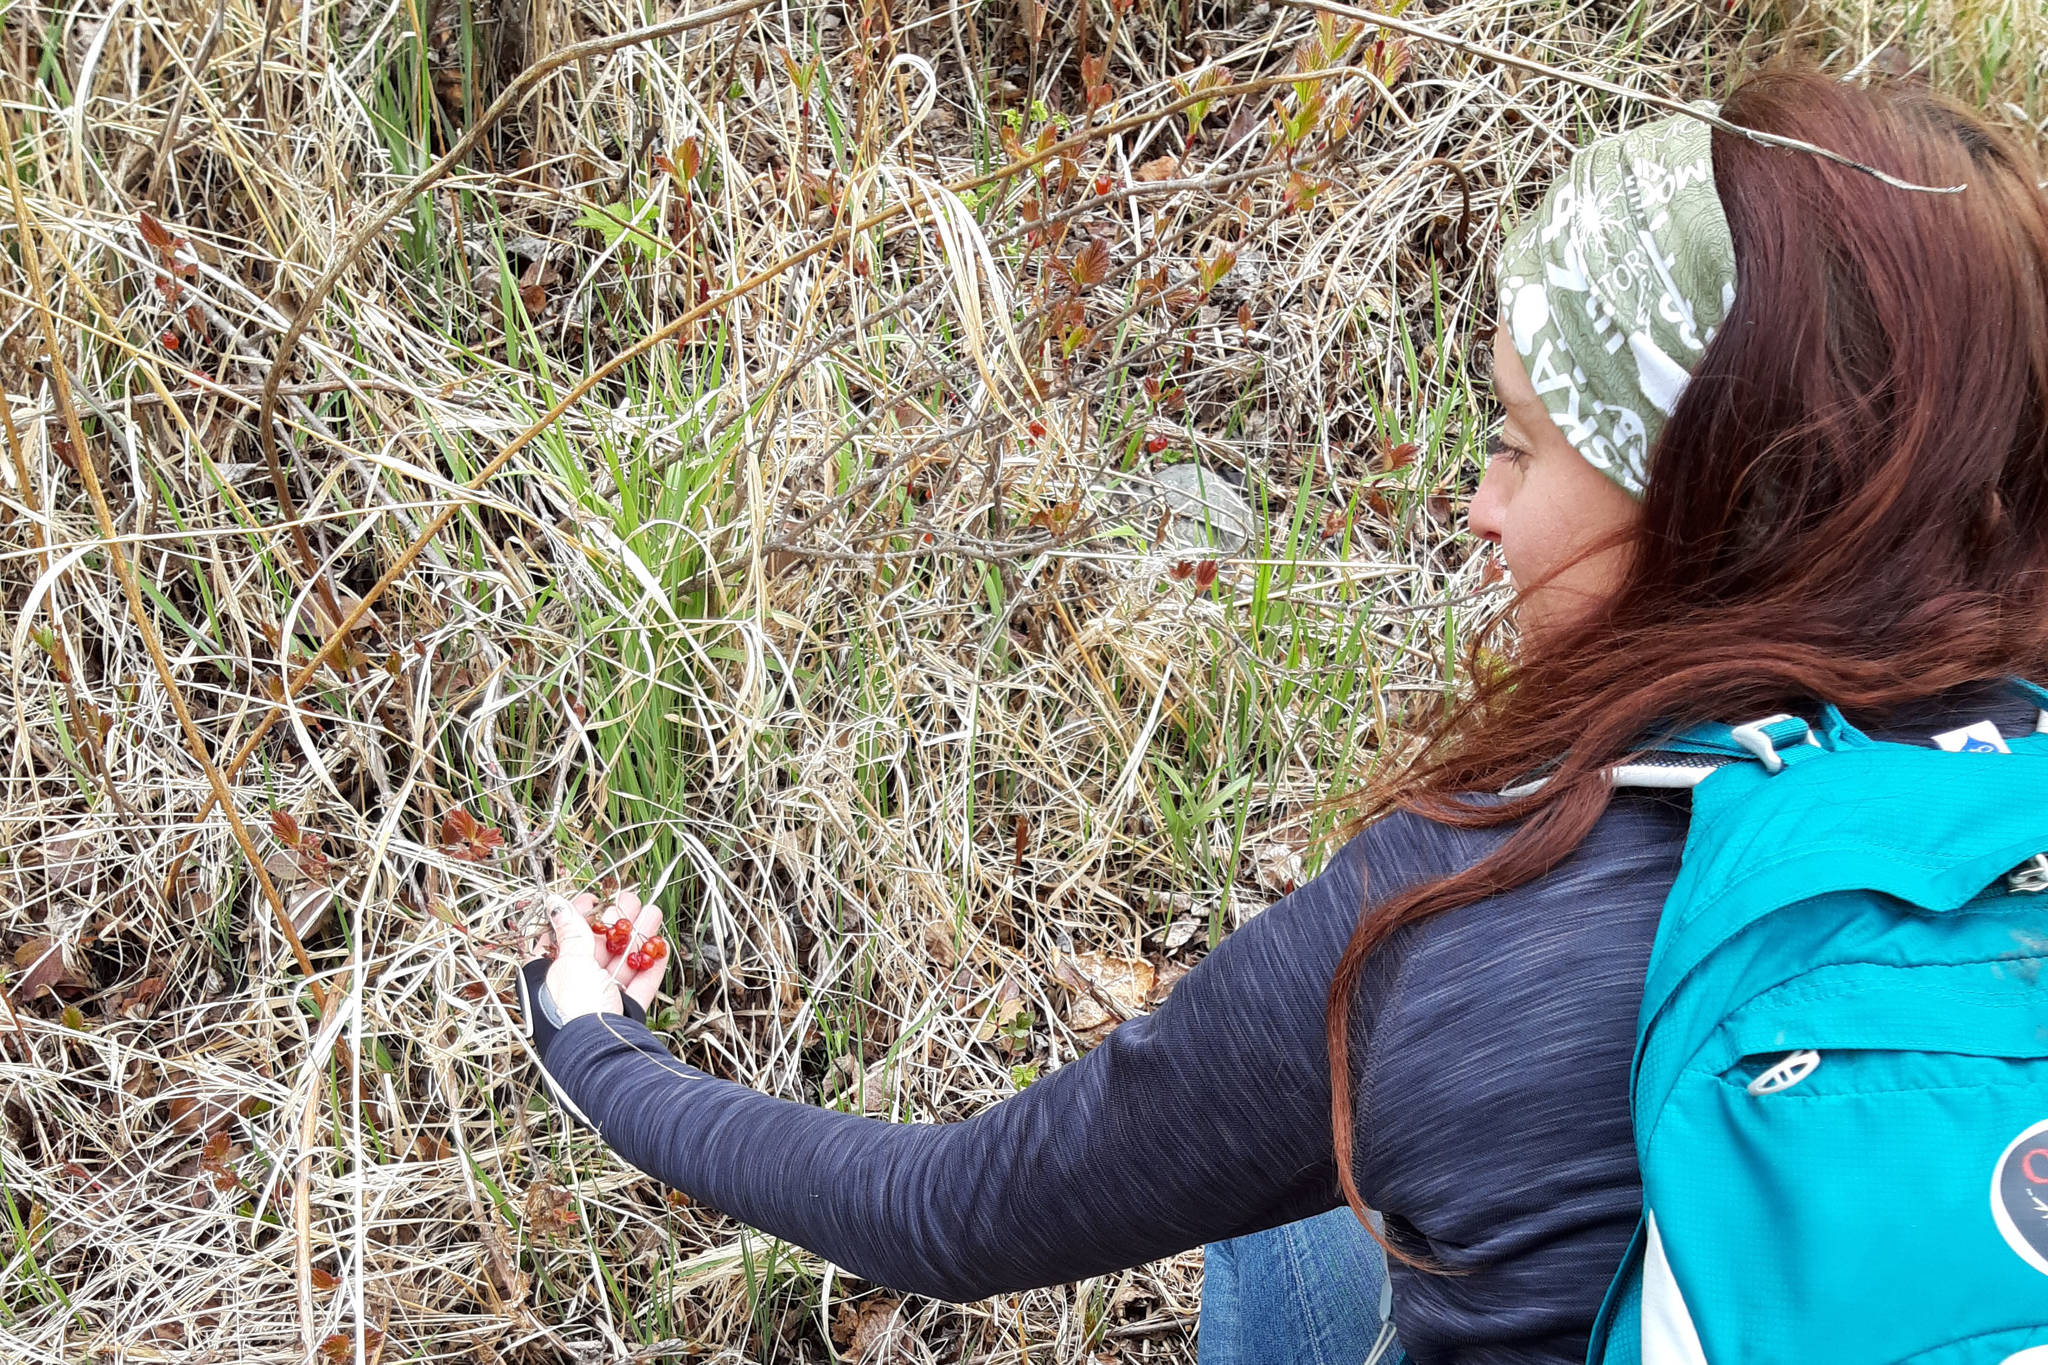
x=1840, y=1089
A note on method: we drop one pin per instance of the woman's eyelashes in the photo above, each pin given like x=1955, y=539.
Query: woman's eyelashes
x=1500, y=448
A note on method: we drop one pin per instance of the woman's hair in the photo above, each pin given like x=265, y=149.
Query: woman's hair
x=1849, y=502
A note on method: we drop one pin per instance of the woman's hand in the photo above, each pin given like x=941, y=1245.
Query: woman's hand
x=587, y=977
x=585, y=974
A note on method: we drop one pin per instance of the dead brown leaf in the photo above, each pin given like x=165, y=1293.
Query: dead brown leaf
x=1391, y=456
x=550, y=1212
x=183, y=1112
x=1277, y=867
x=328, y=623
x=534, y=284
x=1169, y=973
x=138, y=1003
x=938, y=941
x=282, y=867
x=44, y=959
x=68, y=860
x=1107, y=989
x=1159, y=168
x=1248, y=119
x=867, y=1331
x=427, y=1147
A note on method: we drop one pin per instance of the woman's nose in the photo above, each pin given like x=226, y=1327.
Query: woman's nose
x=1484, y=513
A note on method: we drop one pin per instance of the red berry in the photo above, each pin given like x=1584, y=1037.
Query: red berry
x=1103, y=184
x=655, y=949
x=169, y=339
x=637, y=960
x=619, y=935
x=1037, y=429
x=1155, y=444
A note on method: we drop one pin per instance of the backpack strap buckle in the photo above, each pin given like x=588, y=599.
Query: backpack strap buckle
x=1765, y=737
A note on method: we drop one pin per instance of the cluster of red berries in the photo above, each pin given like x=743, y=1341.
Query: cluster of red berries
x=619, y=934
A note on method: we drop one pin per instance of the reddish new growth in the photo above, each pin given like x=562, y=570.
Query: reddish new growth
x=306, y=855
x=464, y=836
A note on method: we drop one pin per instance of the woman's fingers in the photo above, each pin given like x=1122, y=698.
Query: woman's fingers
x=590, y=906
x=574, y=938
x=646, y=924
x=643, y=984
x=572, y=929
x=625, y=905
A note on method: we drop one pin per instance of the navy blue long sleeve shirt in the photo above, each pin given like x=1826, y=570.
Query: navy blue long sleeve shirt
x=1490, y=1089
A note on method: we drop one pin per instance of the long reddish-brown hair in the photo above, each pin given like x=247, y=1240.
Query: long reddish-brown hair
x=1850, y=501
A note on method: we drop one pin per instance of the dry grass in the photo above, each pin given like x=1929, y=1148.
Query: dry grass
x=846, y=615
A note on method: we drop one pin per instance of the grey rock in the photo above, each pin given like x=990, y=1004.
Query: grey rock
x=1207, y=513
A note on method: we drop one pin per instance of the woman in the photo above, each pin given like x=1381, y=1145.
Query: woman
x=1776, y=432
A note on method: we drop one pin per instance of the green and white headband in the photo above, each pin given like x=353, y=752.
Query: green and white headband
x=1613, y=288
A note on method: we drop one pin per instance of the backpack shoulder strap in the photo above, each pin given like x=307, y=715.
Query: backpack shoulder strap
x=1686, y=759
x=1670, y=771
x=1691, y=756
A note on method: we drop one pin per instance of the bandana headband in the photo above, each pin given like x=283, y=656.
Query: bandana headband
x=1613, y=288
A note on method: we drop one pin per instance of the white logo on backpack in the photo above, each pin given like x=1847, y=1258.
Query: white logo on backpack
x=1981, y=738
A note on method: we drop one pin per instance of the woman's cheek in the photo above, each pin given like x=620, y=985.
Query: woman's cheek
x=1525, y=549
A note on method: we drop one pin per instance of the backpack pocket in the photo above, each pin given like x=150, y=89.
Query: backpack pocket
x=1852, y=1160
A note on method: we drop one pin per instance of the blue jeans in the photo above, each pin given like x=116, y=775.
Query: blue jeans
x=1307, y=1293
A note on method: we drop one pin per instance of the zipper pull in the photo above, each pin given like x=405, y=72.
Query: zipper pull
x=1788, y=1071
x=2031, y=876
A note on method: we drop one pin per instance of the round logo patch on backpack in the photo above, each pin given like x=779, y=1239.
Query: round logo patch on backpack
x=2019, y=1196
